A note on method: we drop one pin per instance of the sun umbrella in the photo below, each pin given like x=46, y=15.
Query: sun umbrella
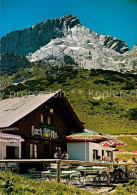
x=109, y=143
x=86, y=136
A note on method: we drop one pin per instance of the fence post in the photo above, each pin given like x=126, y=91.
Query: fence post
x=134, y=174
x=6, y=168
x=126, y=171
x=108, y=174
x=58, y=171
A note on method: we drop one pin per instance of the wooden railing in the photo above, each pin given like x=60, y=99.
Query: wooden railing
x=59, y=162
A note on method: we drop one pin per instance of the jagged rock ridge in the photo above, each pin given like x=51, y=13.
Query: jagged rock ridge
x=11, y=63
x=54, y=40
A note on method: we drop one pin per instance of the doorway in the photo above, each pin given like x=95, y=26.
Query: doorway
x=47, y=151
x=12, y=152
x=95, y=154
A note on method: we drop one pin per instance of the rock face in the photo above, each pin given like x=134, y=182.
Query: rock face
x=22, y=42
x=65, y=40
x=10, y=63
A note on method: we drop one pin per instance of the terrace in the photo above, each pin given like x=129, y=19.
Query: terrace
x=76, y=173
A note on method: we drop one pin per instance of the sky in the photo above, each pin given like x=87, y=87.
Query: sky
x=117, y=18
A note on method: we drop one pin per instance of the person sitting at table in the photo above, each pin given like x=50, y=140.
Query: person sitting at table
x=98, y=159
x=59, y=153
x=116, y=161
x=124, y=160
x=104, y=158
x=56, y=154
x=65, y=155
x=134, y=160
x=118, y=172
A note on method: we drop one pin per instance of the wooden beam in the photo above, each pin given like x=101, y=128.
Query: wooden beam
x=134, y=173
x=6, y=168
x=29, y=160
x=63, y=162
x=92, y=163
x=108, y=174
x=58, y=172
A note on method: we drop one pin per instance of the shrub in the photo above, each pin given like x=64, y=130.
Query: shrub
x=114, y=78
x=19, y=87
x=15, y=184
x=61, y=78
x=128, y=85
x=132, y=114
x=102, y=82
x=73, y=74
x=94, y=102
x=93, y=72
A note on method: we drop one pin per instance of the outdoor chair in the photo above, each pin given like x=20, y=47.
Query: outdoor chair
x=33, y=174
x=96, y=175
x=49, y=175
x=119, y=175
x=14, y=168
x=75, y=178
x=91, y=175
x=130, y=173
x=52, y=176
x=136, y=172
x=36, y=175
x=64, y=167
x=81, y=169
x=65, y=178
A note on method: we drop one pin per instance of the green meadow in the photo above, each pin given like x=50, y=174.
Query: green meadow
x=11, y=184
x=105, y=101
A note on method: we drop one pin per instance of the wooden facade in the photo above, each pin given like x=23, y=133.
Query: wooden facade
x=46, y=127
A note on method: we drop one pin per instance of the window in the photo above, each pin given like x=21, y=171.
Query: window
x=48, y=120
x=95, y=154
x=45, y=119
x=41, y=118
x=102, y=152
x=109, y=155
x=33, y=151
x=51, y=110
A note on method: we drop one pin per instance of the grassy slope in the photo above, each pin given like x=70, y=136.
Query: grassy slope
x=126, y=189
x=109, y=116
x=131, y=142
x=15, y=184
x=99, y=112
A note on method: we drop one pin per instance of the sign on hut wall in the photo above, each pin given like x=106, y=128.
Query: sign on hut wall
x=35, y=131
x=45, y=132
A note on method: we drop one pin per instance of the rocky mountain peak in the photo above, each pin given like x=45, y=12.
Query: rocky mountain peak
x=22, y=42
x=116, y=44
x=55, y=40
x=70, y=20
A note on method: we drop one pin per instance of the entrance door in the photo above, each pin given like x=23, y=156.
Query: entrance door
x=47, y=151
x=12, y=152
